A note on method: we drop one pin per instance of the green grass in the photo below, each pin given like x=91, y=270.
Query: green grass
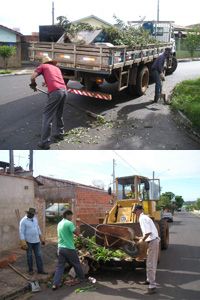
x=186, y=54
x=5, y=71
x=186, y=98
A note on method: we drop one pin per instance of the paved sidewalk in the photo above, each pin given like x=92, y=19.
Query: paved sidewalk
x=20, y=71
x=13, y=285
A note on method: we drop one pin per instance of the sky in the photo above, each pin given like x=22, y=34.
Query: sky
x=28, y=15
x=179, y=171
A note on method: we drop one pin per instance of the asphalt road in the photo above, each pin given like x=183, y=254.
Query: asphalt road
x=131, y=123
x=178, y=272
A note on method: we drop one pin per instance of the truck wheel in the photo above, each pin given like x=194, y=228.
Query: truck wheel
x=164, y=234
x=132, y=90
x=174, y=66
x=111, y=79
x=142, y=81
x=90, y=85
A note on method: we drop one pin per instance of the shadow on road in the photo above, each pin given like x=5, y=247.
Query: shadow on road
x=20, y=122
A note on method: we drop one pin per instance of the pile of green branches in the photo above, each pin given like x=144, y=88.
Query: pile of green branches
x=89, y=247
x=120, y=34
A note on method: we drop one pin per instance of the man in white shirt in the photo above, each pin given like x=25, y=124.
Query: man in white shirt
x=149, y=235
x=31, y=239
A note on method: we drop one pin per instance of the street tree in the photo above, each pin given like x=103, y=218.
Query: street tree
x=166, y=200
x=179, y=201
x=6, y=52
x=193, y=40
x=63, y=21
x=197, y=204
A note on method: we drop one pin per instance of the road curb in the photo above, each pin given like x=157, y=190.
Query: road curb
x=183, y=120
x=188, y=59
x=22, y=290
x=18, y=73
x=16, y=293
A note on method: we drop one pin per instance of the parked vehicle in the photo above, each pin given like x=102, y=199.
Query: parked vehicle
x=166, y=215
x=56, y=210
x=95, y=62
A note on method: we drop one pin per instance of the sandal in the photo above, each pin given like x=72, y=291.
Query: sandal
x=71, y=282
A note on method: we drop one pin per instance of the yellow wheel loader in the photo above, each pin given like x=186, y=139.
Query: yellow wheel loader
x=121, y=225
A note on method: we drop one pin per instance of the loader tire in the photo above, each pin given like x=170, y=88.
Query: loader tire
x=164, y=234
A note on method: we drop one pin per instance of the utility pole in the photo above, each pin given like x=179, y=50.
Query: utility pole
x=113, y=174
x=158, y=10
x=31, y=160
x=53, y=13
x=11, y=158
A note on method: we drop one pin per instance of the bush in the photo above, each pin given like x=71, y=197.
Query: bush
x=6, y=52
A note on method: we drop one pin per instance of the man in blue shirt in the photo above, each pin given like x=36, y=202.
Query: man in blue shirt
x=158, y=72
x=30, y=238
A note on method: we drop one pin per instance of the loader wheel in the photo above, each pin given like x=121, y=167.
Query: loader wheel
x=130, y=249
x=164, y=234
x=142, y=81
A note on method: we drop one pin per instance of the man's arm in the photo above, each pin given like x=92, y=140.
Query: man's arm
x=33, y=83
x=23, y=243
x=143, y=238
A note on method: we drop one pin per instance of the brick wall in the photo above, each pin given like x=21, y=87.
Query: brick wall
x=92, y=204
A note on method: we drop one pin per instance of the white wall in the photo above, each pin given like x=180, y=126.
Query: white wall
x=15, y=193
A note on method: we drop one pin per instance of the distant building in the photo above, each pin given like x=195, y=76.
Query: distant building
x=93, y=21
x=11, y=37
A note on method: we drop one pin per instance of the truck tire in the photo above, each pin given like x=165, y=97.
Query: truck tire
x=142, y=81
x=164, y=234
x=89, y=84
x=174, y=66
x=111, y=79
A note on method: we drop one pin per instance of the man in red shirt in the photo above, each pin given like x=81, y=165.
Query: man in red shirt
x=57, y=95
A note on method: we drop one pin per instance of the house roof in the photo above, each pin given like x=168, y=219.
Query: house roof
x=67, y=181
x=11, y=30
x=92, y=17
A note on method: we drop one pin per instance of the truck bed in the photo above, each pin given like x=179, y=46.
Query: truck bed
x=93, y=58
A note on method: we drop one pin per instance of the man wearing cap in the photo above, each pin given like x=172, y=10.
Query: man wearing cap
x=157, y=68
x=149, y=235
x=30, y=238
x=56, y=97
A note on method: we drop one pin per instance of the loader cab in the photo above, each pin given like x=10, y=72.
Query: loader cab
x=137, y=187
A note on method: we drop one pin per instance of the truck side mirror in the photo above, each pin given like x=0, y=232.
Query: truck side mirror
x=109, y=191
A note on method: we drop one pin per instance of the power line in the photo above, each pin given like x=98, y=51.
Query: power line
x=126, y=162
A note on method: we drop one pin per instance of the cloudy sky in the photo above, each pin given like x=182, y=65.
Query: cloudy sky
x=28, y=15
x=179, y=171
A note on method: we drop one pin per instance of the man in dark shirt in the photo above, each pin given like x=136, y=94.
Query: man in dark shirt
x=56, y=97
x=158, y=72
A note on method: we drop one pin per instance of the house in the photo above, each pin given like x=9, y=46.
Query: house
x=93, y=21
x=11, y=37
x=88, y=203
x=18, y=193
